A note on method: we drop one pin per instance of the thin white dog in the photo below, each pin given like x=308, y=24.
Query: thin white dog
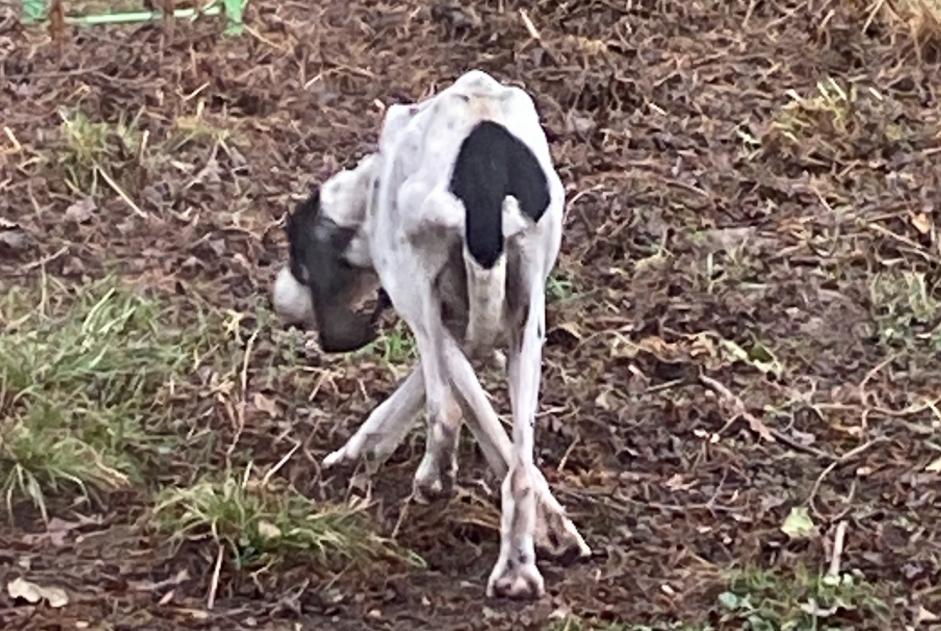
x=458, y=217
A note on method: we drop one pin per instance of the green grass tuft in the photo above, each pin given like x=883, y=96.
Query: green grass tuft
x=81, y=383
x=197, y=129
x=395, y=347
x=259, y=525
x=87, y=145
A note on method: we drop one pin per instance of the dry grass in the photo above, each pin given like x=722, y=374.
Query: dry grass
x=918, y=19
x=86, y=145
x=836, y=123
x=922, y=18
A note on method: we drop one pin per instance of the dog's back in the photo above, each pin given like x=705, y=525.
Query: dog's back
x=474, y=160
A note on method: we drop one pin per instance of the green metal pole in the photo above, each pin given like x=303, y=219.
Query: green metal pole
x=139, y=16
x=33, y=11
x=233, y=11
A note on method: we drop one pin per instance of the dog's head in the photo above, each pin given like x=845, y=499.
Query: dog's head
x=329, y=270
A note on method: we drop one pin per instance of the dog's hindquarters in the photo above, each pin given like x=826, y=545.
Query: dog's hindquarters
x=503, y=189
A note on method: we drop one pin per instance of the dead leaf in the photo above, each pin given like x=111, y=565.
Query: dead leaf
x=14, y=239
x=804, y=438
x=81, y=211
x=798, y=524
x=677, y=483
x=196, y=614
x=571, y=328
x=923, y=615
x=152, y=586
x=759, y=357
x=602, y=400
x=56, y=532
x=758, y=426
x=580, y=124
x=726, y=239
x=738, y=408
x=33, y=593
x=659, y=348
x=267, y=405
x=21, y=588
x=217, y=246
x=934, y=467
x=268, y=530
x=811, y=607
x=922, y=223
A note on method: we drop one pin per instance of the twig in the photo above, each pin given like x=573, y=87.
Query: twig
x=12, y=137
x=915, y=247
x=402, y=515
x=214, y=584
x=709, y=506
x=876, y=7
x=240, y=422
x=588, y=191
x=849, y=455
x=756, y=424
x=666, y=385
x=117, y=189
x=267, y=477
x=738, y=409
x=535, y=35
x=530, y=27
x=863, y=395
x=45, y=260
x=55, y=75
x=838, y=541
x=565, y=456
x=917, y=408
x=749, y=12
x=261, y=38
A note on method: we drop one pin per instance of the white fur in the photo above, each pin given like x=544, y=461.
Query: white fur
x=291, y=299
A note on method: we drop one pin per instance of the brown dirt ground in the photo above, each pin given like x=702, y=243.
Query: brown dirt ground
x=692, y=219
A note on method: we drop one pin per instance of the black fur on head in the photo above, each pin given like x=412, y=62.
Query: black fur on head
x=317, y=246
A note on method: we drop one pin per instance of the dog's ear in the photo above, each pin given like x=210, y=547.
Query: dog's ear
x=318, y=261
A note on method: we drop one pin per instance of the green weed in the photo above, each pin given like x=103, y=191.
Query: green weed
x=906, y=310
x=559, y=288
x=575, y=623
x=396, y=347
x=762, y=600
x=259, y=525
x=837, y=123
x=82, y=381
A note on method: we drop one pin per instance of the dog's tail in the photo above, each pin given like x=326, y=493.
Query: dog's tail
x=503, y=187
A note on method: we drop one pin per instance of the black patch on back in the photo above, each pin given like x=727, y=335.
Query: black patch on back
x=491, y=164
